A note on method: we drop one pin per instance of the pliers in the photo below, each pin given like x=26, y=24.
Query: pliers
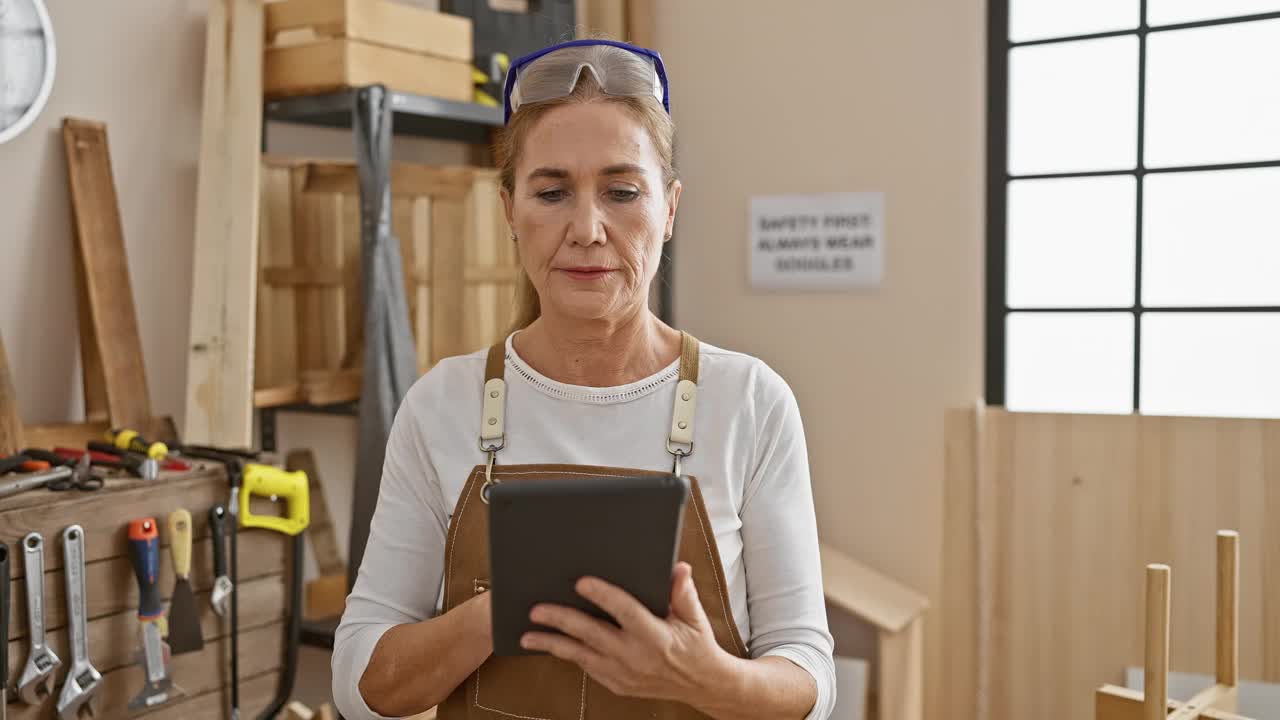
x=22, y=462
x=83, y=476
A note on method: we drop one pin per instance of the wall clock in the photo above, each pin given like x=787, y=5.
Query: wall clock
x=27, y=62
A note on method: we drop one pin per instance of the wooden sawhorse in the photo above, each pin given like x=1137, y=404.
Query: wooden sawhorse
x=1215, y=703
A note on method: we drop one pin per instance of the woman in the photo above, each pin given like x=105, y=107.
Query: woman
x=591, y=379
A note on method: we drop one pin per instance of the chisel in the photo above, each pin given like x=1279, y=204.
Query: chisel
x=184, y=619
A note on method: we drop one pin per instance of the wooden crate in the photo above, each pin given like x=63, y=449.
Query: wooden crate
x=317, y=45
x=111, y=594
x=459, y=264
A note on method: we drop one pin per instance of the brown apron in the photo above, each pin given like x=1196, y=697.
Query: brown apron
x=541, y=687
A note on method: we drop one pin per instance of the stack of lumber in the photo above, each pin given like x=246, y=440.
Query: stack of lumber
x=319, y=45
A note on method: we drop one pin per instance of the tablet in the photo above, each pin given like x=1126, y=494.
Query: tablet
x=546, y=534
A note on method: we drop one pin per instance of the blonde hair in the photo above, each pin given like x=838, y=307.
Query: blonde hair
x=647, y=111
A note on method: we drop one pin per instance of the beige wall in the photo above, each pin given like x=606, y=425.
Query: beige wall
x=839, y=95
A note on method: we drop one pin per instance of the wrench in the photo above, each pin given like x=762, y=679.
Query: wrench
x=221, y=583
x=33, y=481
x=37, y=677
x=82, y=679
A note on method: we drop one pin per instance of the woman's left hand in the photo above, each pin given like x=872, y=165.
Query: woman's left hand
x=672, y=658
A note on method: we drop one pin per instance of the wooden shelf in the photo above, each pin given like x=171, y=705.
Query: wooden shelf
x=872, y=597
x=419, y=115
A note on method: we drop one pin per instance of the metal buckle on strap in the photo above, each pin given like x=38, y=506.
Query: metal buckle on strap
x=488, y=477
x=679, y=454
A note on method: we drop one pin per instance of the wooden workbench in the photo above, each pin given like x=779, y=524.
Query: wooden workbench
x=112, y=595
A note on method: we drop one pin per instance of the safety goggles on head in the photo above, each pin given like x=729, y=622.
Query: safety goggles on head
x=548, y=74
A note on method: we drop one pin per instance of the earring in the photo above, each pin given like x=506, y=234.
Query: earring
x=513, y=238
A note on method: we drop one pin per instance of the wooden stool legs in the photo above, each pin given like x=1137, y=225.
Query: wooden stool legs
x=1215, y=703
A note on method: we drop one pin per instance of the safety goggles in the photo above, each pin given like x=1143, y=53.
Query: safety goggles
x=557, y=74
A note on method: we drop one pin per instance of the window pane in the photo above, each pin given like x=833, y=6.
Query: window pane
x=1070, y=362
x=1213, y=95
x=1070, y=242
x=1039, y=19
x=1220, y=364
x=1211, y=238
x=1168, y=12
x=1073, y=106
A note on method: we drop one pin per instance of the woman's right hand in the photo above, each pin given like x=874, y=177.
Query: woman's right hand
x=416, y=666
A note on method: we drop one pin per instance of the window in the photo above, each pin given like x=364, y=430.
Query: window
x=1133, y=206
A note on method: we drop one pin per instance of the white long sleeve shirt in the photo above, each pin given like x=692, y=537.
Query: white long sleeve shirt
x=749, y=458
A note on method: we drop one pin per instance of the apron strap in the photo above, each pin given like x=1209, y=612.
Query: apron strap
x=493, y=421
x=680, y=441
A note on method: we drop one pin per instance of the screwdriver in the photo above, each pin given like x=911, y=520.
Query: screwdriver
x=127, y=439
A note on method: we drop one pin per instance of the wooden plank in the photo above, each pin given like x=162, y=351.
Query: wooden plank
x=100, y=241
x=1118, y=703
x=1155, y=704
x=641, y=20
x=608, y=18
x=384, y=23
x=11, y=430
x=421, y=239
x=327, y=16
x=314, y=276
x=255, y=695
x=1268, y=665
x=1217, y=697
x=277, y=396
x=113, y=639
x=196, y=674
x=276, y=349
x=508, y=263
x=111, y=587
x=209, y=262
x=448, y=228
x=324, y=541
x=326, y=597
x=901, y=672
x=483, y=239
x=1227, y=641
x=100, y=513
x=78, y=434
x=324, y=387
x=336, y=63
x=352, y=281
x=224, y=288
x=317, y=243
x=93, y=376
x=402, y=230
x=959, y=606
x=871, y=596
x=477, y=275
x=447, y=182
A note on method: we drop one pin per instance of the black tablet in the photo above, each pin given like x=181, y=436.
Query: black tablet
x=546, y=534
